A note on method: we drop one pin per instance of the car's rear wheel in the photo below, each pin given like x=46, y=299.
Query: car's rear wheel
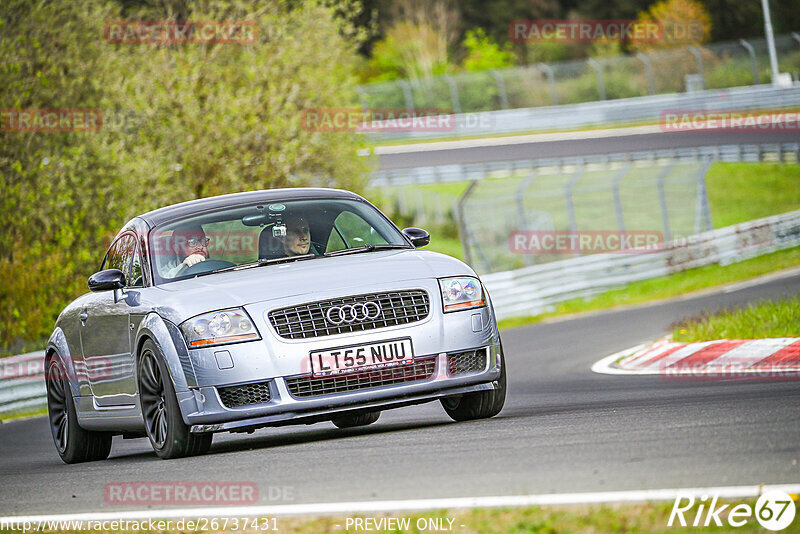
x=169, y=435
x=481, y=404
x=73, y=443
x=361, y=419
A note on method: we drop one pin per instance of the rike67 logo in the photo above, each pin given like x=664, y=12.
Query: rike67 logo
x=774, y=510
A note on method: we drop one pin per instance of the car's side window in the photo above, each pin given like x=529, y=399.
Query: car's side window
x=136, y=279
x=350, y=230
x=120, y=256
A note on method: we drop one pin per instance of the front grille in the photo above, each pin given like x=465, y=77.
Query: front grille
x=471, y=361
x=244, y=395
x=308, y=320
x=308, y=386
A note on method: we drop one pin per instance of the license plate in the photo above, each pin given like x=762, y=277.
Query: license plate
x=361, y=357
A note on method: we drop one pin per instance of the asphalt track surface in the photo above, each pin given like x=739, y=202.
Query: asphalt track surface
x=578, y=147
x=564, y=429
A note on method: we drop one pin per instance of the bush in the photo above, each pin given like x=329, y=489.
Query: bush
x=209, y=119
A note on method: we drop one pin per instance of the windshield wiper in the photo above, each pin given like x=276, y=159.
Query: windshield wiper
x=260, y=263
x=364, y=248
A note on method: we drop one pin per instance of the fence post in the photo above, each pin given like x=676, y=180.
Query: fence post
x=617, y=200
x=520, y=201
x=648, y=67
x=551, y=80
x=699, y=60
x=409, y=97
x=453, y=93
x=703, y=214
x=421, y=214
x=753, y=61
x=362, y=96
x=662, y=201
x=461, y=221
x=598, y=71
x=501, y=88
x=573, y=224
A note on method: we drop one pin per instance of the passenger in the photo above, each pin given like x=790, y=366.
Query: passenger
x=298, y=236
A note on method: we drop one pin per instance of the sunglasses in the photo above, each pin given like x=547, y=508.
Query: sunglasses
x=198, y=242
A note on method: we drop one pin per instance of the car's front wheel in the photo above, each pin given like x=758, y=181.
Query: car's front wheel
x=73, y=443
x=169, y=435
x=361, y=419
x=481, y=404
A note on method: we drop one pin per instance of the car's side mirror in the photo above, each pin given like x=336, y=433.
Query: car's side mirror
x=417, y=236
x=106, y=280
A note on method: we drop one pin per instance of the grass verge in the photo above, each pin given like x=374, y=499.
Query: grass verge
x=669, y=286
x=766, y=319
x=648, y=517
x=22, y=414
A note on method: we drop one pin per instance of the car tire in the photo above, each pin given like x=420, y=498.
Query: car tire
x=481, y=404
x=168, y=434
x=361, y=419
x=73, y=443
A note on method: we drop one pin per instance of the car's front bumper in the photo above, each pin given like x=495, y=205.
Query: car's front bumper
x=212, y=415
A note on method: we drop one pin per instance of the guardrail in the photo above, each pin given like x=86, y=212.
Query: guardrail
x=607, y=112
x=22, y=383
x=778, y=152
x=525, y=291
x=533, y=290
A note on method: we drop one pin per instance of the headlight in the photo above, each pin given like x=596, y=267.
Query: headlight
x=461, y=293
x=219, y=328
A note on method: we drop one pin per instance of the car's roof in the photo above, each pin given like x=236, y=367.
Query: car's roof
x=177, y=211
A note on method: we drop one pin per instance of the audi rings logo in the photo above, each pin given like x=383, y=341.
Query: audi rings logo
x=353, y=313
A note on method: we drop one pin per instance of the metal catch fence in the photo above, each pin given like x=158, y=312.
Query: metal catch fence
x=684, y=69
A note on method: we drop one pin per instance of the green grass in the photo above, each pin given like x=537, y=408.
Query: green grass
x=611, y=518
x=739, y=192
x=762, y=320
x=581, y=519
x=669, y=286
x=21, y=414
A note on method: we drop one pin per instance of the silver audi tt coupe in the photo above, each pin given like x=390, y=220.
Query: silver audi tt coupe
x=266, y=308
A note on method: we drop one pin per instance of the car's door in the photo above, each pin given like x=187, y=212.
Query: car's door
x=105, y=333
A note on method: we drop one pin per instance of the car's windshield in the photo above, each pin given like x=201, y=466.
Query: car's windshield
x=265, y=233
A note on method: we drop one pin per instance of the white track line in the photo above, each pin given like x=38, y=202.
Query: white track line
x=605, y=366
x=363, y=507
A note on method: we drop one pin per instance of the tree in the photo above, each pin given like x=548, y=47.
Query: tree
x=483, y=53
x=683, y=22
x=199, y=120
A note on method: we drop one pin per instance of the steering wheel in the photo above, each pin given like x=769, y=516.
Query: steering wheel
x=206, y=266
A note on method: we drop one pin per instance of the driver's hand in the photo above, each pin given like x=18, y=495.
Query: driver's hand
x=194, y=259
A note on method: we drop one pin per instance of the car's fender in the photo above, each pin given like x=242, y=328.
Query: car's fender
x=170, y=342
x=57, y=345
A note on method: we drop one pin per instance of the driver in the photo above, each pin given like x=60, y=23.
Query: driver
x=190, y=245
x=298, y=236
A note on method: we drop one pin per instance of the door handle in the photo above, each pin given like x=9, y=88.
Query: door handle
x=84, y=315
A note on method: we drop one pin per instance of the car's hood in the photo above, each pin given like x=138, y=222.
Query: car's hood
x=351, y=274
